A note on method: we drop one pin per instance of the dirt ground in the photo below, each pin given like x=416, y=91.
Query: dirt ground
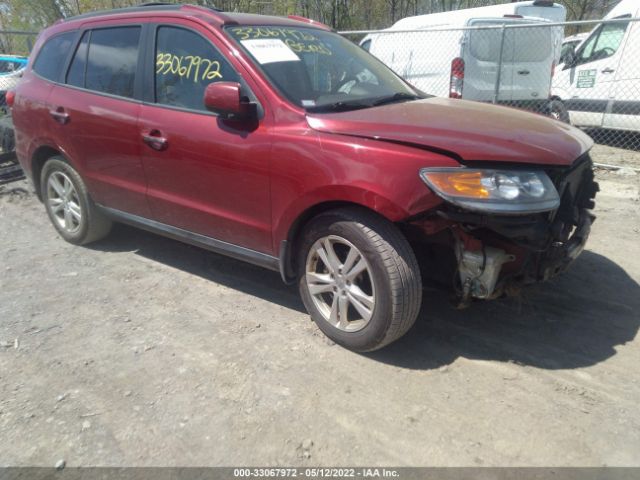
x=140, y=350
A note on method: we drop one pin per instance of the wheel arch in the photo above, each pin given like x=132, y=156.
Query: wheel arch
x=288, y=244
x=38, y=159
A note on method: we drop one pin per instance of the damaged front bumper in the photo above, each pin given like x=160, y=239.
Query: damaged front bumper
x=495, y=255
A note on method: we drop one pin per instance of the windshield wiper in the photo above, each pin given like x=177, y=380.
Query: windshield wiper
x=342, y=106
x=396, y=97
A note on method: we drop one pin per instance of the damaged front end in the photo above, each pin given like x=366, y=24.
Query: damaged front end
x=501, y=242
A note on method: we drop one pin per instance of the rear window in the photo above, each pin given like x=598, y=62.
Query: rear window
x=112, y=60
x=53, y=55
x=532, y=44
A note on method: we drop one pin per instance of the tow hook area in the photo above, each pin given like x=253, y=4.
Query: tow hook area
x=478, y=268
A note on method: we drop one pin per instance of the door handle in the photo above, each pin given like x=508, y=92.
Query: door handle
x=524, y=72
x=155, y=139
x=608, y=70
x=60, y=116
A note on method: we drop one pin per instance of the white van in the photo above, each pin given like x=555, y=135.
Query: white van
x=571, y=44
x=443, y=58
x=599, y=85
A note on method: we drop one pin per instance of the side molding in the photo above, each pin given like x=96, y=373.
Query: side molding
x=202, y=241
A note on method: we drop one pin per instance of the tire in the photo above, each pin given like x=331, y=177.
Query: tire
x=386, y=295
x=71, y=210
x=558, y=111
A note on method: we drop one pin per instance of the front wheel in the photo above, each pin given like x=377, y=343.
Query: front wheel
x=558, y=111
x=358, y=278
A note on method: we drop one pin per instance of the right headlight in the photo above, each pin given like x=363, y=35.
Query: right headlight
x=494, y=191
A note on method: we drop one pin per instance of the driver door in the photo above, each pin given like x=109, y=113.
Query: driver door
x=592, y=75
x=205, y=175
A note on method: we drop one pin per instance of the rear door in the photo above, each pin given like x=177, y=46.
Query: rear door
x=482, y=57
x=591, y=79
x=533, y=56
x=94, y=115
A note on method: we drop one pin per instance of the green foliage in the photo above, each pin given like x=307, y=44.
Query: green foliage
x=340, y=14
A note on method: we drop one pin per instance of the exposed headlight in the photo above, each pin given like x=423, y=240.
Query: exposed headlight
x=494, y=191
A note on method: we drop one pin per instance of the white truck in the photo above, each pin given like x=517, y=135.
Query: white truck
x=598, y=86
x=441, y=55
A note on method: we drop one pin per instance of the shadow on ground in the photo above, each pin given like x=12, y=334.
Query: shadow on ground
x=574, y=321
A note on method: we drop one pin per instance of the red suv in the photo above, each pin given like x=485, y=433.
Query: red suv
x=279, y=142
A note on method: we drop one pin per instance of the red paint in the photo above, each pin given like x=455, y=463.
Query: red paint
x=224, y=99
x=472, y=130
x=247, y=183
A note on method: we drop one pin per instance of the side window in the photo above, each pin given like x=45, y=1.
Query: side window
x=112, y=60
x=75, y=75
x=604, y=43
x=52, y=56
x=185, y=64
x=566, y=48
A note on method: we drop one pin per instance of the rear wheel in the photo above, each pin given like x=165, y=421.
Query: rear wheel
x=358, y=278
x=70, y=208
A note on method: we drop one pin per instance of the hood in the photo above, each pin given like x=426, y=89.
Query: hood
x=467, y=131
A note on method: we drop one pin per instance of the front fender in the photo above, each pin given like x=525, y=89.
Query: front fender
x=338, y=169
x=335, y=195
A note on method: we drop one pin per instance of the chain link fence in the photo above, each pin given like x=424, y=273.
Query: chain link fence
x=15, y=47
x=590, y=80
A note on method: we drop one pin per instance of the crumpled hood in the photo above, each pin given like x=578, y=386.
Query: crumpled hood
x=467, y=130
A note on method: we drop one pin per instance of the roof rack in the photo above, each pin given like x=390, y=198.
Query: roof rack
x=143, y=7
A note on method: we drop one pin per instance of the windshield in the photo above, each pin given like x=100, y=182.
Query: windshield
x=320, y=70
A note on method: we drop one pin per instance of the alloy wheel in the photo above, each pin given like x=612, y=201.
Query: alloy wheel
x=63, y=202
x=340, y=282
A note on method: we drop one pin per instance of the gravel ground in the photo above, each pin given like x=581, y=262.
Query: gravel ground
x=143, y=351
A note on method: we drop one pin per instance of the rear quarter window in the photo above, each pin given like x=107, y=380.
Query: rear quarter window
x=52, y=56
x=75, y=75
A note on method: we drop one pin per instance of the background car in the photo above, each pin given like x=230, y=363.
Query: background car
x=11, y=69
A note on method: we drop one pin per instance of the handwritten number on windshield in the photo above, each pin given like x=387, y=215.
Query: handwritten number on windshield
x=296, y=40
x=189, y=67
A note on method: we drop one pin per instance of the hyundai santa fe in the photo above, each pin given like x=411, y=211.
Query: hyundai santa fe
x=278, y=142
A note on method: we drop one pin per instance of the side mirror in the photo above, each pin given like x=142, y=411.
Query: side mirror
x=225, y=99
x=570, y=58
